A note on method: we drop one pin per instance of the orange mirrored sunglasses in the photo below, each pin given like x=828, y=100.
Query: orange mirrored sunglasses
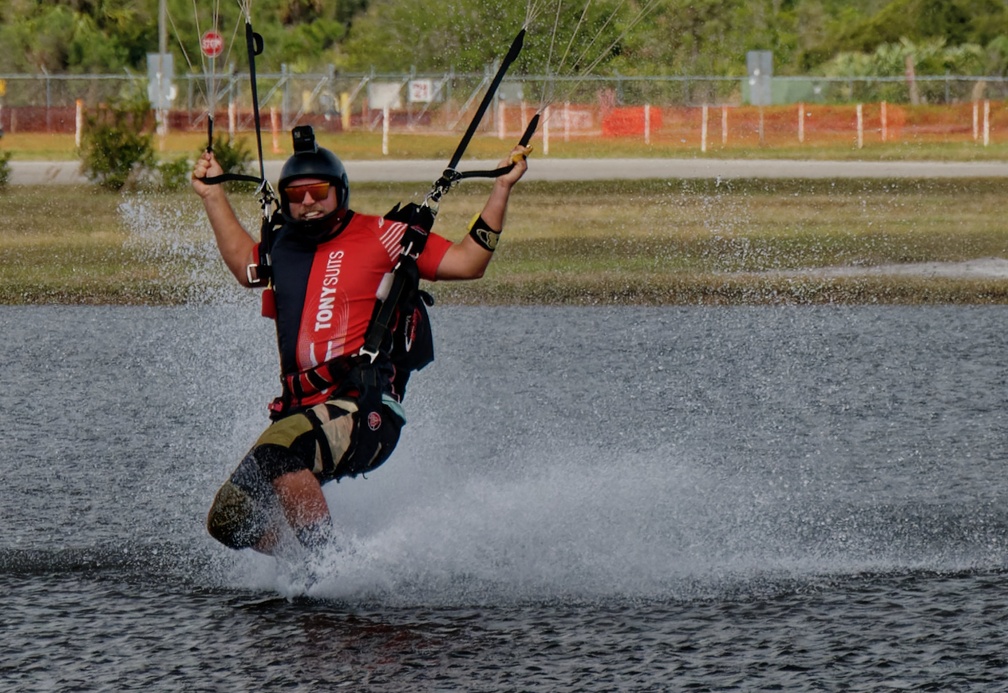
x=297, y=193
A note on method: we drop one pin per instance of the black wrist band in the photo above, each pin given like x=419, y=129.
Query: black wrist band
x=481, y=232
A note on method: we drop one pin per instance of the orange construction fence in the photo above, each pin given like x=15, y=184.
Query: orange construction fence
x=718, y=126
x=687, y=126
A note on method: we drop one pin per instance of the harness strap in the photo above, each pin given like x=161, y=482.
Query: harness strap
x=405, y=282
x=326, y=375
x=363, y=374
x=370, y=419
x=226, y=177
x=510, y=57
x=452, y=176
x=263, y=265
x=321, y=442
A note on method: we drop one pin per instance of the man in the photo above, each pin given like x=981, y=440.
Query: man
x=326, y=263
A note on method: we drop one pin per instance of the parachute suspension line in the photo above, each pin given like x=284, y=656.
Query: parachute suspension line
x=637, y=19
x=548, y=88
x=208, y=63
x=577, y=29
x=577, y=66
x=209, y=93
x=226, y=60
x=553, y=34
x=605, y=25
x=185, y=53
x=533, y=9
x=234, y=40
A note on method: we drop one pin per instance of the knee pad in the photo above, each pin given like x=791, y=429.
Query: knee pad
x=237, y=518
x=242, y=509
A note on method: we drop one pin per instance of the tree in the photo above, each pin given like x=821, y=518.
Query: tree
x=955, y=21
x=394, y=35
x=677, y=36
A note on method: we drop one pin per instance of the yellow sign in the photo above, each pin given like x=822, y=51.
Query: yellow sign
x=3, y=87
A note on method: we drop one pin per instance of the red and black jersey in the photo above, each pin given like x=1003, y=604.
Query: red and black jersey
x=325, y=292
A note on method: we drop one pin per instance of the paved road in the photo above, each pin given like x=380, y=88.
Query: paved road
x=55, y=172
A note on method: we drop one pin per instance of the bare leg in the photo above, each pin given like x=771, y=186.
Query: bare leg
x=243, y=518
x=304, y=505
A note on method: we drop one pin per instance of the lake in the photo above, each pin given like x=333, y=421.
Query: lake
x=612, y=498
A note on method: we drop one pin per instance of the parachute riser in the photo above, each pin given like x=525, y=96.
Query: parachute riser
x=254, y=43
x=451, y=175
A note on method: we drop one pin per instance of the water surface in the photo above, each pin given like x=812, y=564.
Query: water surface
x=584, y=498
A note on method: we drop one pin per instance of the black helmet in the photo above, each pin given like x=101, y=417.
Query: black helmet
x=311, y=161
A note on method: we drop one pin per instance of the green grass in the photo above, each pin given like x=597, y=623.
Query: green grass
x=648, y=242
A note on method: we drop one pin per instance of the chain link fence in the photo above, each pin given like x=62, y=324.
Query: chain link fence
x=666, y=106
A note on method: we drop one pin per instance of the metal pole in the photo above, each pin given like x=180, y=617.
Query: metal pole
x=162, y=49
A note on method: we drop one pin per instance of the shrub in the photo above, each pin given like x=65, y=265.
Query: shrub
x=4, y=169
x=117, y=144
x=175, y=174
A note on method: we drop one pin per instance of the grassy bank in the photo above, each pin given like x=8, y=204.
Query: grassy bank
x=649, y=242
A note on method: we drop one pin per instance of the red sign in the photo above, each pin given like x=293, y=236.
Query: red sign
x=212, y=44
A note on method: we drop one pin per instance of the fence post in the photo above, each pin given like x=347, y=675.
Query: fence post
x=703, y=128
x=275, y=127
x=724, y=125
x=986, y=122
x=232, y=97
x=545, y=130
x=647, y=123
x=48, y=102
x=344, y=110
x=385, y=130
x=501, y=134
x=801, y=123
x=860, y=126
x=285, y=97
x=976, y=121
x=79, y=123
x=885, y=121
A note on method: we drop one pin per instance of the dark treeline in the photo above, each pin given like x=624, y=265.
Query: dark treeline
x=657, y=37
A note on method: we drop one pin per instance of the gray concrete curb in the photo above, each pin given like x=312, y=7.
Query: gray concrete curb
x=68, y=172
